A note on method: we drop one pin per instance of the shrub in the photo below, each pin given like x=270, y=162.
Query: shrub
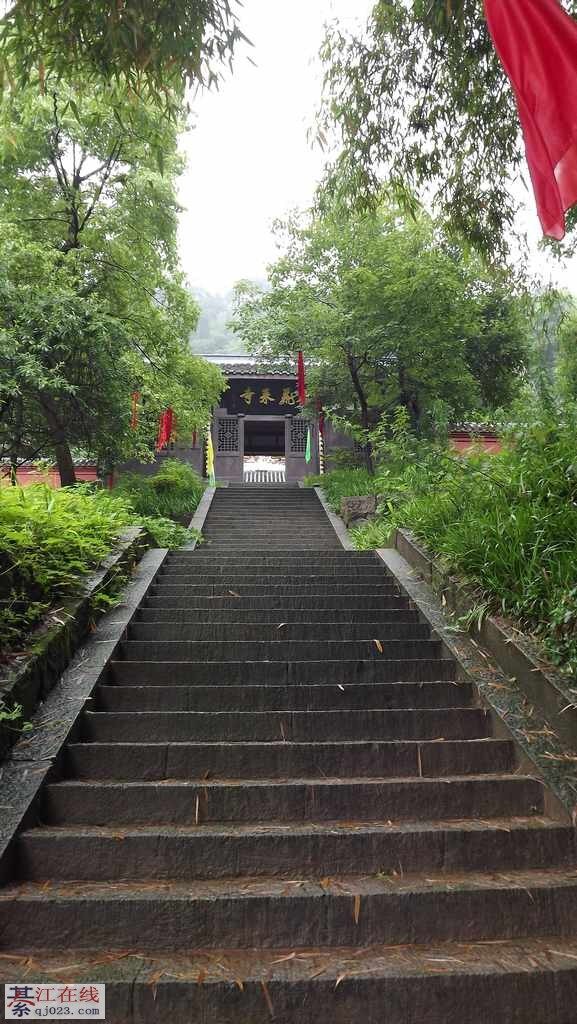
x=506, y=523
x=172, y=492
x=48, y=540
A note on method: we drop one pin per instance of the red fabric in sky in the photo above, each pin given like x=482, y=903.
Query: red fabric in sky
x=301, y=386
x=537, y=43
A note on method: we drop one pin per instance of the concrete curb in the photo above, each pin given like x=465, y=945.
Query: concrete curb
x=199, y=517
x=335, y=521
x=36, y=755
x=541, y=752
x=32, y=676
x=516, y=655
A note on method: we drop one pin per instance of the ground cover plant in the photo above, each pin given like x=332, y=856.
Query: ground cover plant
x=175, y=490
x=505, y=523
x=51, y=539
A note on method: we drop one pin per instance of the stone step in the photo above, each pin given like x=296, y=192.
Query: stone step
x=308, y=603
x=334, y=559
x=187, y=803
x=263, y=633
x=395, y=910
x=279, y=673
x=275, y=650
x=293, y=617
x=520, y=981
x=300, y=544
x=357, y=759
x=160, y=588
x=235, y=849
x=180, y=574
x=290, y=726
x=281, y=698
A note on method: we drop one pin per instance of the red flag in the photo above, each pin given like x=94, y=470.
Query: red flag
x=301, y=386
x=135, y=398
x=537, y=43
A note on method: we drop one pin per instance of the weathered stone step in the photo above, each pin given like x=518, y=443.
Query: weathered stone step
x=295, y=913
x=187, y=803
x=310, y=602
x=356, y=759
x=529, y=981
x=278, y=673
x=261, y=632
x=325, y=561
x=297, y=726
x=376, y=590
x=299, y=544
x=180, y=574
x=233, y=849
x=275, y=650
x=294, y=617
x=282, y=698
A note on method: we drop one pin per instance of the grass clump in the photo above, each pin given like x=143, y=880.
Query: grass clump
x=344, y=483
x=505, y=523
x=49, y=539
x=173, y=492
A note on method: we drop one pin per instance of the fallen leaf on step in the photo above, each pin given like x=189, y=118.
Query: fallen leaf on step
x=357, y=908
x=239, y=984
x=283, y=959
x=379, y=646
x=341, y=687
x=233, y=593
x=197, y=808
x=280, y=625
x=340, y=978
x=268, y=998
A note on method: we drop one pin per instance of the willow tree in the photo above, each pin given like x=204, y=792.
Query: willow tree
x=149, y=46
x=418, y=103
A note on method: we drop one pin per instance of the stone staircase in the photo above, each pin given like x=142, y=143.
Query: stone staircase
x=282, y=804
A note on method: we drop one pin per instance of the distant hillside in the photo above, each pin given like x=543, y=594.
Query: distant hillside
x=212, y=335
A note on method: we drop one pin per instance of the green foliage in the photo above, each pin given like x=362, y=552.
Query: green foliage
x=389, y=314
x=143, y=44
x=10, y=718
x=419, y=102
x=167, y=534
x=507, y=524
x=175, y=490
x=344, y=483
x=49, y=539
x=93, y=305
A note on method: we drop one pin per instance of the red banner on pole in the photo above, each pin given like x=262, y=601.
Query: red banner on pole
x=301, y=384
x=537, y=43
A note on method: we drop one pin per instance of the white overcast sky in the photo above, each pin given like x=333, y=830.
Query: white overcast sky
x=249, y=160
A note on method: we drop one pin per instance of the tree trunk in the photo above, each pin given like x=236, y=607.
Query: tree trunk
x=360, y=392
x=409, y=401
x=60, y=444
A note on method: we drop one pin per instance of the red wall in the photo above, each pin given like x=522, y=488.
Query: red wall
x=462, y=441
x=27, y=475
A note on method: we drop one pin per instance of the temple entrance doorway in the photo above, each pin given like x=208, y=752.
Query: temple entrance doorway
x=264, y=450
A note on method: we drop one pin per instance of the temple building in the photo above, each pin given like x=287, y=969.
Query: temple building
x=258, y=432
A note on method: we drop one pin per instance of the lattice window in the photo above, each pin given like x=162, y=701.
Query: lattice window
x=298, y=442
x=228, y=438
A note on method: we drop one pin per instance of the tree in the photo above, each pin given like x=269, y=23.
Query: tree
x=92, y=304
x=420, y=104
x=389, y=314
x=150, y=46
